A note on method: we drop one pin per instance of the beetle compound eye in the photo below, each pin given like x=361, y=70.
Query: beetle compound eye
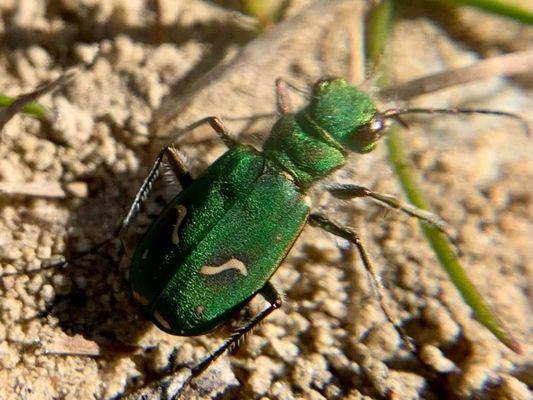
x=363, y=139
x=376, y=125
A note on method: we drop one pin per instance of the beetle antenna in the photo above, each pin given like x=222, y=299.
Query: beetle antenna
x=400, y=120
x=305, y=92
x=394, y=113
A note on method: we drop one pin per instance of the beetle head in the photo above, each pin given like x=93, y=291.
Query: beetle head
x=347, y=114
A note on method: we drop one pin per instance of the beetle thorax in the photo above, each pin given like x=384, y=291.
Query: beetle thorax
x=303, y=149
x=313, y=143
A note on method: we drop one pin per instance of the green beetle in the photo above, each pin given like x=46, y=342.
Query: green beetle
x=216, y=244
x=219, y=241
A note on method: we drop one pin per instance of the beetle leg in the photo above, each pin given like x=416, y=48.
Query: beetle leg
x=270, y=294
x=350, y=235
x=183, y=376
x=216, y=124
x=179, y=166
x=142, y=193
x=283, y=100
x=350, y=191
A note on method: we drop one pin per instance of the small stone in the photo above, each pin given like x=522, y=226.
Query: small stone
x=8, y=251
x=9, y=172
x=333, y=392
x=78, y=189
x=311, y=371
x=9, y=358
x=406, y=385
x=478, y=368
x=47, y=293
x=378, y=373
x=334, y=308
x=73, y=125
x=128, y=53
x=298, y=324
x=218, y=378
x=28, y=254
x=44, y=252
x=436, y=315
x=39, y=57
x=474, y=378
x=26, y=72
x=323, y=337
x=383, y=340
x=284, y=349
x=8, y=282
x=281, y=391
x=513, y=389
x=86, y=52
x=11, y=309
x=272, y=331
x=434, y=357
x=62, y=284
x=265, y=370
x=35, y=284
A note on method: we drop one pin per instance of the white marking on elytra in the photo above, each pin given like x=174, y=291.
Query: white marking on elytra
x=140, y=298
x=230, y=264
x=182, y=212
x=288, y=176
x=145, y=254
x=159, y=318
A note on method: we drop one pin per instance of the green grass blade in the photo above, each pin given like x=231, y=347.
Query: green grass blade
x=440, y=245
x=268, y=12
x=497, y=7
x=32, y=108
x=378, y=43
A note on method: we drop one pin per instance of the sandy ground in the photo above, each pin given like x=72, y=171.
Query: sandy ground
x=330, y=339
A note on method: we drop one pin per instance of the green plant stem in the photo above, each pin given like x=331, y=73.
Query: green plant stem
x=442, y=248
x=379, y=43
x=267, y=12
x=497, y=7
x=32, y=108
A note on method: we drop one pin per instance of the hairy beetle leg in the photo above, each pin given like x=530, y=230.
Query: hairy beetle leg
x=350, y=191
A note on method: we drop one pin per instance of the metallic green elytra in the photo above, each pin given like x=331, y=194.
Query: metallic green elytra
x=219, y=241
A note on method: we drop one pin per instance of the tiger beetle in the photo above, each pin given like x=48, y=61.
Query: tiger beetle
x=217, y=243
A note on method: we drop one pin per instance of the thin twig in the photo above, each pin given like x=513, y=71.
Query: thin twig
x=32, y=108
x=504, y=65
x=33, y=189
x=497, y=7
x=356, y=32
x=17, y=106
